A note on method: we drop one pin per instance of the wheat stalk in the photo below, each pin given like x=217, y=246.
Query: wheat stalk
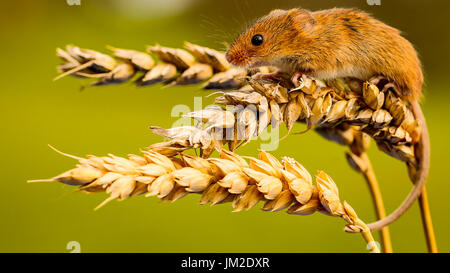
x=229, y=178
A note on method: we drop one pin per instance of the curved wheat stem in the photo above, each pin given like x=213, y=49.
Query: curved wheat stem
x=427, y=222
x=369, y=176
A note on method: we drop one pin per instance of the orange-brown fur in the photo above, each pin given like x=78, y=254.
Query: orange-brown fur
x=329, y=44
x=341, y=43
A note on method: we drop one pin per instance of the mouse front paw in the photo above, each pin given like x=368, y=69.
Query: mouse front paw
x=296, y=79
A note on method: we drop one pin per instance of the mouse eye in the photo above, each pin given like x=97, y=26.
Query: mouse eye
x=257, y=40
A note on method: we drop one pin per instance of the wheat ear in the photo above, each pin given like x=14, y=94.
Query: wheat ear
x=229, y=178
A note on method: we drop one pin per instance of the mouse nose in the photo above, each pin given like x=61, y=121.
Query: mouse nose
x=236, y=57
x=229, y=56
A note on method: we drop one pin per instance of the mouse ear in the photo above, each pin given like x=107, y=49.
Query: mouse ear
x=304, y=17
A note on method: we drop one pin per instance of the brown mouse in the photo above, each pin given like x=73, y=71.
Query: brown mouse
x=338, y=43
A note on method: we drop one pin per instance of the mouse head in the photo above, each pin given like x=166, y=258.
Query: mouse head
x=271, y=38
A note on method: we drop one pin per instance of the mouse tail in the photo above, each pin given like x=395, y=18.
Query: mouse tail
x=422, y=151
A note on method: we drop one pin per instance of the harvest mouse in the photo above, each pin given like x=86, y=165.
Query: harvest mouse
x=338, y=43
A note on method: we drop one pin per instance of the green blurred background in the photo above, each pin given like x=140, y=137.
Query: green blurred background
x=36, y=111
